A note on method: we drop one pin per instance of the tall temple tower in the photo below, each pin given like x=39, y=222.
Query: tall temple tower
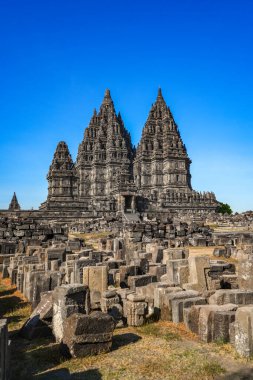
x=62, y=179
x=104, y=155
x=110, y=176
x=14, y=205
x=161, y=158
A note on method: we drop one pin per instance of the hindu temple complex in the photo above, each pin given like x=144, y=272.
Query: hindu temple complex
x=111, y=176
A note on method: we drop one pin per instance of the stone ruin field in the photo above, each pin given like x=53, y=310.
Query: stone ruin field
x=104, y=300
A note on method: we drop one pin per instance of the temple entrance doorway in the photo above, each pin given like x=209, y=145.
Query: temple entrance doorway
x=128, y=203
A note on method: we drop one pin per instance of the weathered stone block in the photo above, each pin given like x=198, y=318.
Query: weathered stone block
x=243, y=329
x=202, y=320
x=245, y=274
x=236, y=296
x=96, y=278
x=167, y=298
x=135, y=281
x=178, y=306
x=136, y=310
x=67, y=300
x=86, y=335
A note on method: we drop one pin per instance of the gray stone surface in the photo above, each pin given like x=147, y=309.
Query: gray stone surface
x=86, y=335
x=68, y=300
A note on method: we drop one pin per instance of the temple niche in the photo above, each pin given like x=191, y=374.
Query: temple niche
x=110, y=175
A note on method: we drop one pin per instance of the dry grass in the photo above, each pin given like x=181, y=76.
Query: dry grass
x=91, y=238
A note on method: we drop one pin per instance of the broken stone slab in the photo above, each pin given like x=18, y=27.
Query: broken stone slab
x=135, y=281
x=202, y=320
x=35, y=328
x=38, y=325
x=67, y=300
x=86, y=335
x=236, y=296
x=45, y=308
x=243, y=330
x=178, y=306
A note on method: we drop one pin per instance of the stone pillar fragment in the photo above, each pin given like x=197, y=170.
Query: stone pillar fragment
x=136, y=309
x=245, y=274
x=67, y=300
x=244, y=331
x=96, y=278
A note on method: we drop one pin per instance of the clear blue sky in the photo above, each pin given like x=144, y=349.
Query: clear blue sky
x=57, y=58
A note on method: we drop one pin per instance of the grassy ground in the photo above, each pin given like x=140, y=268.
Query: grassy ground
x=157, y=351
x=91, y=238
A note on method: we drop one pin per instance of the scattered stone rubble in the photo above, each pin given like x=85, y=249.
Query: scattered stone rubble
x=139, y=273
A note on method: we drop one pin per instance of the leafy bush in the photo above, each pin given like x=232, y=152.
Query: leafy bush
x=224, y=208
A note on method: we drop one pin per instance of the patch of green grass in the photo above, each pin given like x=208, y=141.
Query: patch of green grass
x=211, y=369
x=159, y=332
x=220, y=342
x=18, y=316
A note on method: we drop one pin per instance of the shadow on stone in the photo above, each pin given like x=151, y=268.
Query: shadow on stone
x=123, y=340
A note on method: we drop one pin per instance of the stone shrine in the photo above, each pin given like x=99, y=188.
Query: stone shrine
x=14, y=205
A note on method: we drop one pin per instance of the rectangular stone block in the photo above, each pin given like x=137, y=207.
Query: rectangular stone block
x=67, y=300
x=135, y=281
x=178, y=306
x=167, y=298
x=96, y=278
x=236, y=296
x=243, y=328
x=206, y=322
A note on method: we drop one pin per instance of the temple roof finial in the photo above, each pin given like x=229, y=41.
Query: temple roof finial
x=159, y=94
x=107, y=97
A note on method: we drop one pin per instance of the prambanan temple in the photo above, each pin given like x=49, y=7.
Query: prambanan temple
x=110, y=175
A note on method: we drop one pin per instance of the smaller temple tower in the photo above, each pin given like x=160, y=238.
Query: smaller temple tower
x=62, y=179
x=14, y=205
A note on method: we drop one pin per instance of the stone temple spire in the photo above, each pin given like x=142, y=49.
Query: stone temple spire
x=161, y=160
x=107, y=98
x=106, y=145
x=160, y=96
x=62, y=177
x=14, y=205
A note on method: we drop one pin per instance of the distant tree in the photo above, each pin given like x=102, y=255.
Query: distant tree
x=224, y=208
